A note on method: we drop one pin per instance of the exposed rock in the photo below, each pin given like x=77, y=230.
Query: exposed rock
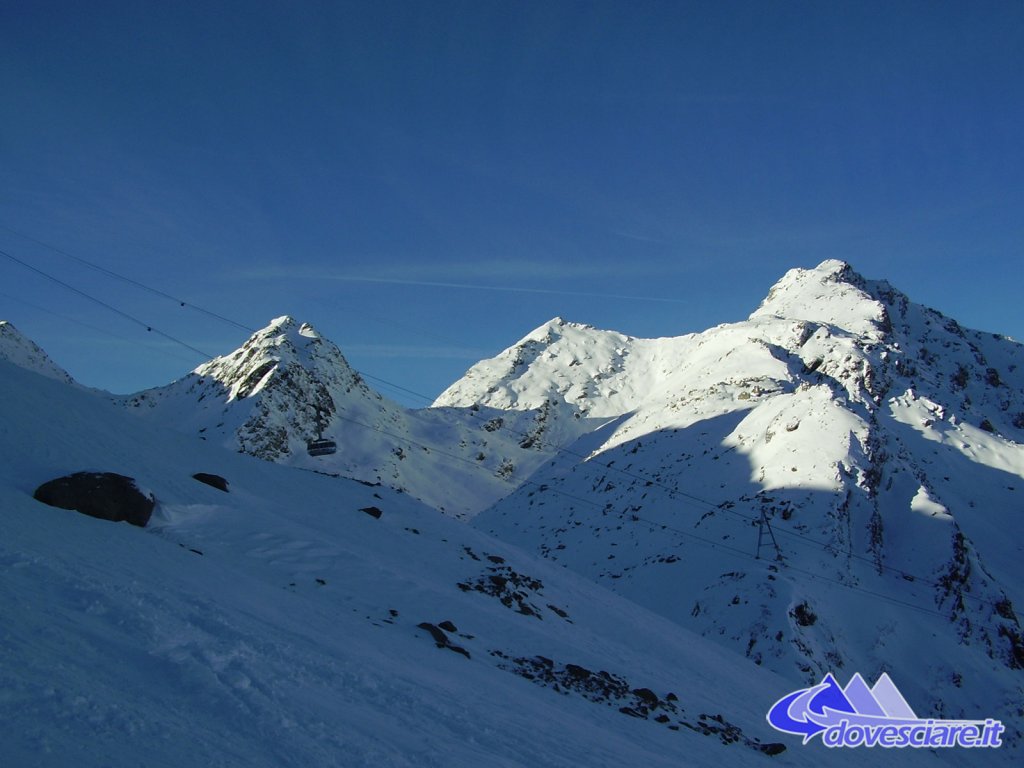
x=105, y=495
x=803, y=615
x=216, y=481
x=611, y=690
x=512, y=588
x=372, y=511
x=441, y=639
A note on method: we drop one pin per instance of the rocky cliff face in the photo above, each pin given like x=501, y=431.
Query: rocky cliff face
x=287, y=385
x=284, y=386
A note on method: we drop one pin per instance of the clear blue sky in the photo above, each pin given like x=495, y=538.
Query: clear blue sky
x=643, y=166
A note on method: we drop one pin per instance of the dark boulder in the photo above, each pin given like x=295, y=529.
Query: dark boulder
x=441, y=639
x=105, y=495
x=435, y=632
x=648, y=697
x=215, y=481
x=372, y=511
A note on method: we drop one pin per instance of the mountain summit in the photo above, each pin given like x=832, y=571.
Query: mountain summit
x=281, y=388
x=830, y=293
x=19, y=349
x=843, y=452
x=287, y=385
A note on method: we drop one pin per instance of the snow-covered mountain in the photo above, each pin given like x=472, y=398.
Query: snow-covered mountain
x=300, y=620
x=833, y=484
x=879, y=442
x=288, y=385
x=17, y=348
x=280, y=389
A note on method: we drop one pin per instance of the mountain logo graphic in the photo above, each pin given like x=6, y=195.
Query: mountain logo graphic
x=859, y=716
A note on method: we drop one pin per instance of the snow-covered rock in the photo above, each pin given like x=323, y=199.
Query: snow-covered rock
x=878, y=441
x=287, y=385
x=280, y=389
x=25, y=353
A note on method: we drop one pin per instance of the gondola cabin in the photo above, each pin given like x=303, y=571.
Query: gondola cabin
x=321, y=447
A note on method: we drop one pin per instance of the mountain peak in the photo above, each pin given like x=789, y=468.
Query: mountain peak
x=283, y=322
x=832, y=292
x=20, y=350
x=287, y=323
x=838, y=268
x=550, y=330
x=281, y=388
x=283, y=344
x=284, y=338
x=280, y=327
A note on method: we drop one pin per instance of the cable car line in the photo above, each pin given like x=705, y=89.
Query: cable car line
x=96, y=328
x=325, y=448
x=149, y=328
x=674, y=492
x=118, y=276
x=655, y=525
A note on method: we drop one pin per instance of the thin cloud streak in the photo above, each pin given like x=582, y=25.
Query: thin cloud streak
x=502, y=288
x=326, y=275
x=637, y=237
x=485, y=270
x=510, y=269
x=408, y=351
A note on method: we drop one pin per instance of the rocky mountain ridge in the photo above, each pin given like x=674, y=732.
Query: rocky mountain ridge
x=287, y=385
x=832, y=484
x=877, y=442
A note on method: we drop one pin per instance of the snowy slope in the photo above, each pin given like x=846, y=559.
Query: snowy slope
x=880, y=440
x=284, y=624
x=287, y=385
x=279, y=625
x=25, y=353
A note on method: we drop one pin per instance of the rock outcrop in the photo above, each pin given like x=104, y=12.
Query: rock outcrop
x=105, y=495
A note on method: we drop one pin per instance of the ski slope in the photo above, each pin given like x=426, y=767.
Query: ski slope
x=277, y=624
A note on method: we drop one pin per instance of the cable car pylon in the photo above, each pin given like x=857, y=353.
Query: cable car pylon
x=762, y=526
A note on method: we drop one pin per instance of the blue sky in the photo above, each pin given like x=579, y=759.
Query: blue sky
x=426, y=182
